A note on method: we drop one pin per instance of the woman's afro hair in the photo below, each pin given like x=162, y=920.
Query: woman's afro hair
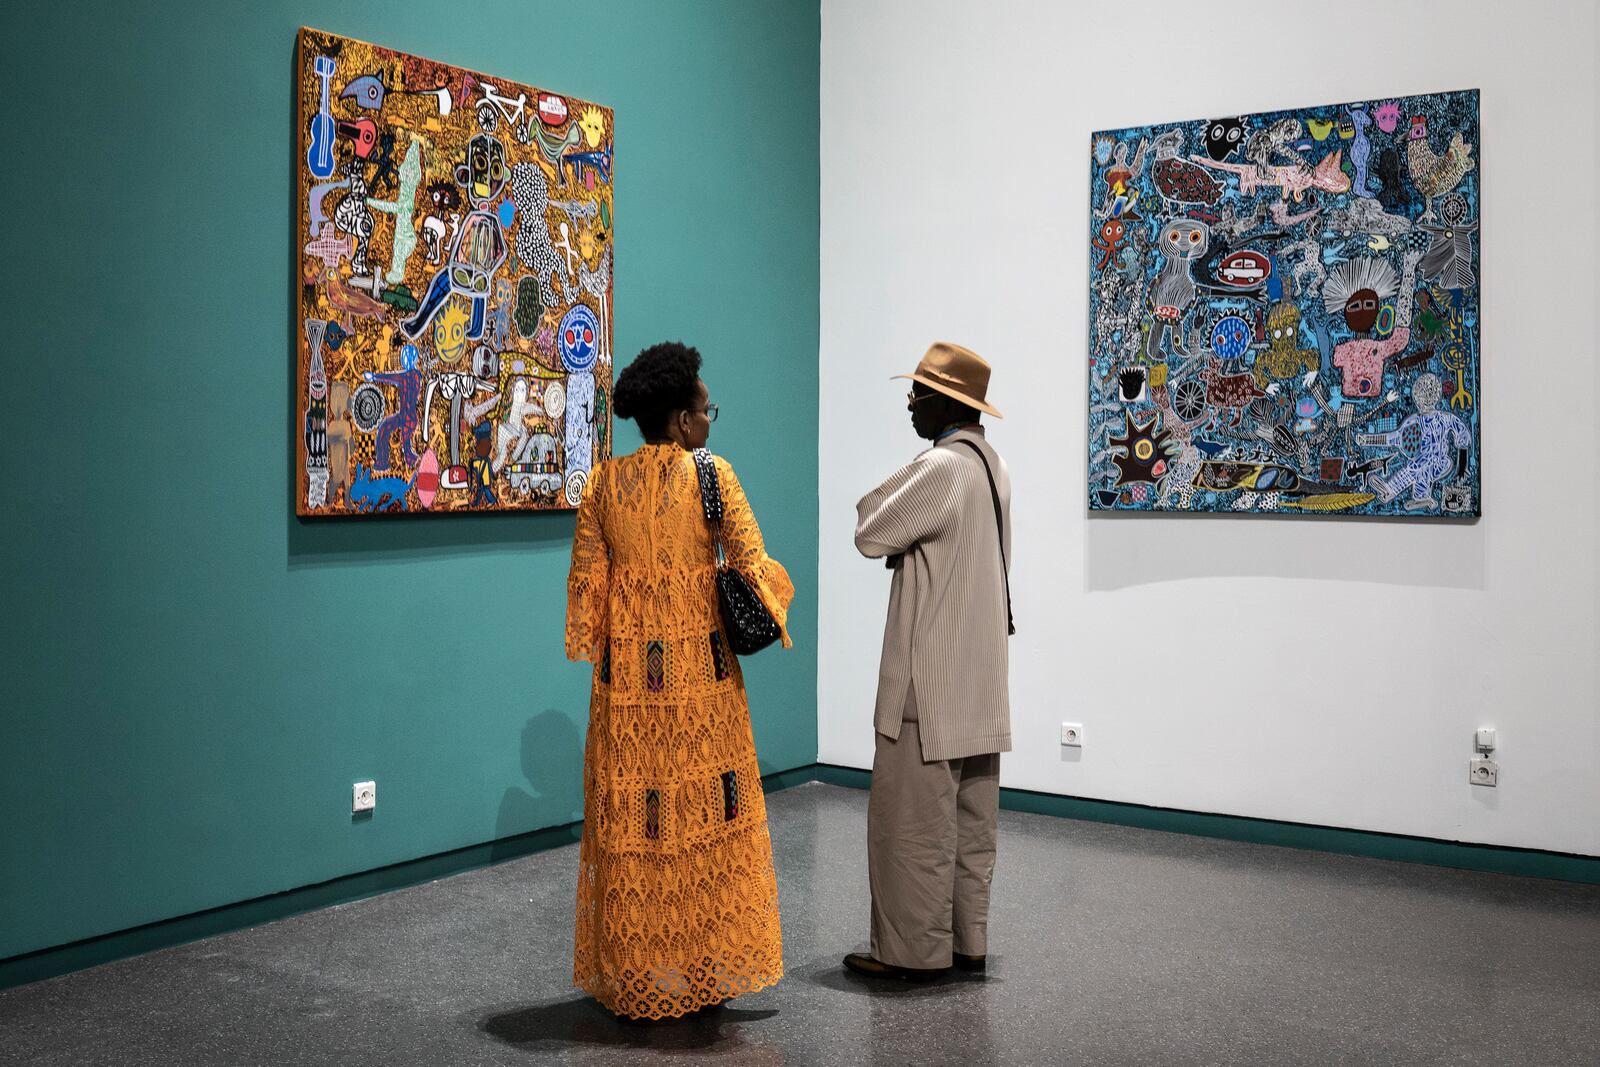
x=659, y=381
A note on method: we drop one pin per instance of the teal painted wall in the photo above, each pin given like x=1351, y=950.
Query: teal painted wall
x=194, y=678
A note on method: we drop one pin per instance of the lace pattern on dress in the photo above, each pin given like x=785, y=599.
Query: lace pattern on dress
x=677, y=903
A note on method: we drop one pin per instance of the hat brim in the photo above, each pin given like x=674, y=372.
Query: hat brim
x=938, y=386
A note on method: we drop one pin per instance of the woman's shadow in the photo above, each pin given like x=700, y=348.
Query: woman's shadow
x=582, y=1021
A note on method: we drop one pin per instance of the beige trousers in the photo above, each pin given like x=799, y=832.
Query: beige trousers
x=930, y=850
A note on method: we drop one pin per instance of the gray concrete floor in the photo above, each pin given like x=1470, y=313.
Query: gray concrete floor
x=1109, y=946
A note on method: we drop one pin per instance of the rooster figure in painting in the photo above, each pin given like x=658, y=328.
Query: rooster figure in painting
x=1433, y=174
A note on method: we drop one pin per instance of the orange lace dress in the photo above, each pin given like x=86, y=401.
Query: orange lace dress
x=677, y=898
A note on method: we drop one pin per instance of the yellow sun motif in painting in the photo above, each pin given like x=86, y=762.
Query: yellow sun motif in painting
x=450, y=330
x=589, y=241
x=593, y=125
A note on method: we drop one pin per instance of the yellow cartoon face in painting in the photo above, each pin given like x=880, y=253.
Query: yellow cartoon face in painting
x=593, y=125
x=589, y=243
x=450, y=330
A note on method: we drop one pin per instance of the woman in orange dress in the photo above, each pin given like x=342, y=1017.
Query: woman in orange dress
x=677, y=898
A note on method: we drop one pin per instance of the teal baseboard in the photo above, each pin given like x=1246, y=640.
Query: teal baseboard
x=1491, y=858
x=91, y=952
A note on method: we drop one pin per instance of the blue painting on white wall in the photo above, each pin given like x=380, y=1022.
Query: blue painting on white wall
x=1283, y=311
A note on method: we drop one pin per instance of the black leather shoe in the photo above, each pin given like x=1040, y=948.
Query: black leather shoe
x=964, y=962
x=863, y=964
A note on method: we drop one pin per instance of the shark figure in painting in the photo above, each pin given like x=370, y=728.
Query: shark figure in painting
x=1290, y=179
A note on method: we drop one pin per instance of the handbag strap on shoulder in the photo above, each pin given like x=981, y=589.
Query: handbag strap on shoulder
x=710, y=499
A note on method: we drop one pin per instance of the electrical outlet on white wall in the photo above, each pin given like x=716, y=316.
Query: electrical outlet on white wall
x=364, y=796
x=1072, y=734
x=1483, y=771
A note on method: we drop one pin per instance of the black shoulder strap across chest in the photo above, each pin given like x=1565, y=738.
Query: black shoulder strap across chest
x=999, y=529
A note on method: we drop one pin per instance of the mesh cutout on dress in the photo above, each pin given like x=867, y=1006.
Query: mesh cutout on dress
x=677, y=899
x=721, y=669
x=652, y=814
x=655, y=666
x=730, y=796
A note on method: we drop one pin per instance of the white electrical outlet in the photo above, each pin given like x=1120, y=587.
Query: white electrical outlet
x=364, y=796
x=1072, y=734
x=1483, y=771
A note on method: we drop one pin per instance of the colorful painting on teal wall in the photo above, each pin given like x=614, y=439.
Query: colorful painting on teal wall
x=1284, y=312
x=454, y=286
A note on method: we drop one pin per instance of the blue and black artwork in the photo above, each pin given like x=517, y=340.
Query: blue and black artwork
x=1283, y=311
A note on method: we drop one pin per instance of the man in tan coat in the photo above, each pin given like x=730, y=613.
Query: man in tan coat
x=943, y=714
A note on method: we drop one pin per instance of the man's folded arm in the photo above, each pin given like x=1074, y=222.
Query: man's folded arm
x=914, y=504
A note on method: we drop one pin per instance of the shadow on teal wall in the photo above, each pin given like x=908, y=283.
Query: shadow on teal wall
x=194, y=677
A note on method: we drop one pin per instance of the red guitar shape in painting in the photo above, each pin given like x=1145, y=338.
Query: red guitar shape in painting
x=319, y=157
x=363, y=132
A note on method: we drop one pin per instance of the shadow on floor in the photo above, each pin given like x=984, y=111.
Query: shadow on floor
x=829, y=973
x=582, y=1021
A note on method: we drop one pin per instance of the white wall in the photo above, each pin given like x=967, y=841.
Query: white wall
x=1322, y=671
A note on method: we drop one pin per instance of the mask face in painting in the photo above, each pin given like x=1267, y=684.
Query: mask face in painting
x=1184, y=239
x=444, y=197
x=1222, y=137
x=1361, y=310
x=485, y=363
x=483, y=173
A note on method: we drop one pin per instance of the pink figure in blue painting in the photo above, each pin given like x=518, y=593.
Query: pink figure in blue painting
x=1358, y=289
x=408, y=382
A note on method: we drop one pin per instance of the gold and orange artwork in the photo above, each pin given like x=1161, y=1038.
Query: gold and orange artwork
x=454, y=286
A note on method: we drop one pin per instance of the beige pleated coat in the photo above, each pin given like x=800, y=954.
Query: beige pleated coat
x=946, y=632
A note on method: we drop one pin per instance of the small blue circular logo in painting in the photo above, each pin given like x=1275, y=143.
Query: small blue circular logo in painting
x=580, y=338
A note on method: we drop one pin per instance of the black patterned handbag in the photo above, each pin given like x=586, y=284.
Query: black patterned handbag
x=749, y=624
